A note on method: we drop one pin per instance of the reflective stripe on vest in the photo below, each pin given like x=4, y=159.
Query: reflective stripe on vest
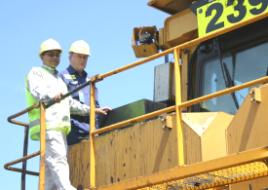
x=34, y=123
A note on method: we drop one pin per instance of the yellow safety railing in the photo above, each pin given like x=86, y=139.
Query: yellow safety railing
x=41, y=152
x=179, y=104
x=177, y=107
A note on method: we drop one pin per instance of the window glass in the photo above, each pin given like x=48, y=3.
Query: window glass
x=242, y=67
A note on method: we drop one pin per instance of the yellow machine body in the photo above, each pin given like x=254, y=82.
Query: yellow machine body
x=144, y=150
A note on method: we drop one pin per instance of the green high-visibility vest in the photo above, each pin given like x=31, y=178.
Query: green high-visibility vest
x=34, y=117
x=59, y=122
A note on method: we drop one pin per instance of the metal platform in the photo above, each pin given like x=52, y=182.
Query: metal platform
x=223, y=171
x=217, y=178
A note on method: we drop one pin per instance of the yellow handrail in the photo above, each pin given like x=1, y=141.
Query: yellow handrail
x=91, y=141
x=182, y=105
x=42, y=147
x=177, y=74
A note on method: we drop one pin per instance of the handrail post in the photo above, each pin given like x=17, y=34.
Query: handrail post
x=42, y=146
x=177, y=73
x=91, y=140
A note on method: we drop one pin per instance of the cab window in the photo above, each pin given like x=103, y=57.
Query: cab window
x=226, y=62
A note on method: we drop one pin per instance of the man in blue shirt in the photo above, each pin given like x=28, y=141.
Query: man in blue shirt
x=74, y=76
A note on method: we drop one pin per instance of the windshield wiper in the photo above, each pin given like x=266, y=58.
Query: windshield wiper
x=229, y=82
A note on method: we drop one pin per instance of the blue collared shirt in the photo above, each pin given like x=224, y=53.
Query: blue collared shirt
x=80, y=124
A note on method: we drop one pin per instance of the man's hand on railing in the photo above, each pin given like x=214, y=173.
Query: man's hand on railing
x=50, y=101
x=57, y=98
x=103, y=110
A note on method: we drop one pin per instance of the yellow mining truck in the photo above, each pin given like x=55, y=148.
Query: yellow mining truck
x=206, y=127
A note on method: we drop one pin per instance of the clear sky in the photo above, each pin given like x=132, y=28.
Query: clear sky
x=105, y=25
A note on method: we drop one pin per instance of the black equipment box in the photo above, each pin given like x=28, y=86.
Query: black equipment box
x=129, y=111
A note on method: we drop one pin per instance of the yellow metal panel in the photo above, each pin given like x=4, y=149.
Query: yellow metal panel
x=161, y=36
x=210, y=127
x=248, y=128
x=180, y=28
x=141, y=149
x=79, y=162
x=214, y=138
x=147, y=148
x=170, y=6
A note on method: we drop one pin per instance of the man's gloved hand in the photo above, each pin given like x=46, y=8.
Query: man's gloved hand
x=58, y=97
x=103, y=110
x=49, y=101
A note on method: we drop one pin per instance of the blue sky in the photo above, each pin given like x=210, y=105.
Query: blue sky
x=106, y=25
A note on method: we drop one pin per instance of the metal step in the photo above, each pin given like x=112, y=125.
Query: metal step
x=230, y=169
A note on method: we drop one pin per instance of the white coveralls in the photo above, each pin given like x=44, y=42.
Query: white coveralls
x=44, y=84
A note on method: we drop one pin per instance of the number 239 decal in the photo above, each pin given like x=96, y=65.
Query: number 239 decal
x=223, y=13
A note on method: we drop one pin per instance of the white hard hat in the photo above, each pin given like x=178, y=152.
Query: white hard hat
x=49, y=45
x=80, y=47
